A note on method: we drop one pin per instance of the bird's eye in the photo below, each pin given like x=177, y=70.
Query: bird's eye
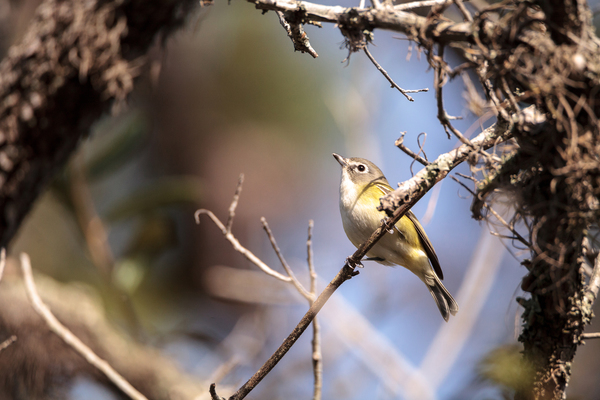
x=361, y=168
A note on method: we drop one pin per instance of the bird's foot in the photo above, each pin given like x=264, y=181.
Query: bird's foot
x=383, y=221
x=353, y=264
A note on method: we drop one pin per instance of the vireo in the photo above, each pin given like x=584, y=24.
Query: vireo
x=362, y=185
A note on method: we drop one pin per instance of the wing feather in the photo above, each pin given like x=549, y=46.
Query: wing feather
x=385, y=189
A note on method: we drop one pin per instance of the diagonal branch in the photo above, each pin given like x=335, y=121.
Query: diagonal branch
x=69, y=338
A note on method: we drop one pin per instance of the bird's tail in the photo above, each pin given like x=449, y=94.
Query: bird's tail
x=443, y=299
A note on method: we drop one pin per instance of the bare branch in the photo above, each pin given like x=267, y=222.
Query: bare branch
x=316, y=341
x=410, y=191
x=296, y=33
x=463, y=10
x=419, y=4
x=400, y=144
x=239, y=248
x=308, y=296
x=234, y=202
x=8, y=342
x=389, y=78
x=69, y=338
x=595, y=335
x=360, y=19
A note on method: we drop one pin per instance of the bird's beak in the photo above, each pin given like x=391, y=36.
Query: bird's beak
x=340, y=159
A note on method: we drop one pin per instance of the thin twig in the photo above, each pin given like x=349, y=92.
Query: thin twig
x=400, y=144
x=389, y=78
x=442, y=115
x=508, y=226
x=69, y=338
x=239, y=248
x=595, y=335
x=463, y=10
x=296, y=33
x=419, y=4
x=343, y=275
x=2, y=262
x=213, y=393
x=316, y=341
x=234, y=202
x=307, y=295
x=8, y=342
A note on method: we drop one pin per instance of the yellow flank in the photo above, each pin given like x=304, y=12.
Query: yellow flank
x=402, y=247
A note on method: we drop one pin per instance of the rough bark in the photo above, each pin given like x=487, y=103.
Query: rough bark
x=77, y=60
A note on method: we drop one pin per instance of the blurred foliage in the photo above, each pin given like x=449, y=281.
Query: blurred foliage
x=504, y=368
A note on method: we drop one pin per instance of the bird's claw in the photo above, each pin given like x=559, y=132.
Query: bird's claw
x=353, y=264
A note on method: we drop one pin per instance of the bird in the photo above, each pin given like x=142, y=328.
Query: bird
x=362, y=185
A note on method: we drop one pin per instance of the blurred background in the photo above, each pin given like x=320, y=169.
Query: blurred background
x=228, y=95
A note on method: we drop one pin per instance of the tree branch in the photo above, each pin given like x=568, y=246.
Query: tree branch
x=352, y=18
x=69, y=338
x=76, y=61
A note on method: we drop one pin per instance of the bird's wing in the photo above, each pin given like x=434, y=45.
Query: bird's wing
x=385, y=189
x=426, y=244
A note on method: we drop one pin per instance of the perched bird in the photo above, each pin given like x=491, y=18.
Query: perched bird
x=361, y=187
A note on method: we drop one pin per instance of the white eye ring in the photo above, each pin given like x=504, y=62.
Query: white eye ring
x=361, y=168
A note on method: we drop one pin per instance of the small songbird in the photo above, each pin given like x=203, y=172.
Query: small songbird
x=362, y=185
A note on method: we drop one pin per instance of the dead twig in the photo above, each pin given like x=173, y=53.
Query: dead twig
x=419, y=4
x=595, y=335
x=310, y=296
x=234, y=202
x=316, y=341
x=389, y=78
x=8, y=342
x=69, y=338
x=307, y=295
x=466, y=14
x=296, y=33
x=415, y=156
x=234, y=242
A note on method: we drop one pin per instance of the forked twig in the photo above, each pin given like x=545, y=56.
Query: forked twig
x=463, y=10
x=296, y=33
x=400, y=144
x=69, y=338
x=389, y=78
x=307, y=295
x=291, y=278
